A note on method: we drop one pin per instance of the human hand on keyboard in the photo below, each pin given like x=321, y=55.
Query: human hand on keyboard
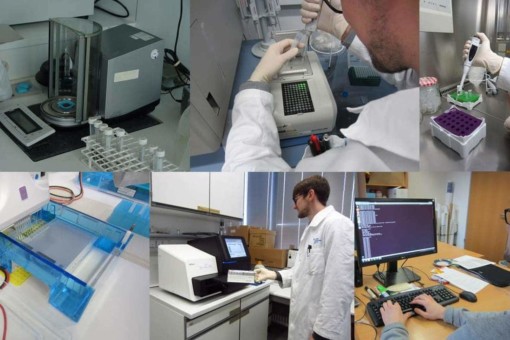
x=433, y=310
x=392, y=313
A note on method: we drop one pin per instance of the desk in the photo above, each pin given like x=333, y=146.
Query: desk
x=491, y=298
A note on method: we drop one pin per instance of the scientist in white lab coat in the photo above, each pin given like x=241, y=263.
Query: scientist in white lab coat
x=322, y=279
x=494, y=63
x=386, y=134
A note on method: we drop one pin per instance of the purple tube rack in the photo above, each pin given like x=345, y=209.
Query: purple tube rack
x=458, y=122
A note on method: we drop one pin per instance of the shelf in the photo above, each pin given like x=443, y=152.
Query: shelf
x=388, y=179
x=66, y=250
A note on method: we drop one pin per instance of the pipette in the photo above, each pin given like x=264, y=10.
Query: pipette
x=303, y=35
x=475, y=42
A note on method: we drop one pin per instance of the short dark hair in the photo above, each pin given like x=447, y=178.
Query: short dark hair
x=318, y=183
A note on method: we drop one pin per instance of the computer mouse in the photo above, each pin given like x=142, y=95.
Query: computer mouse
x=468, y=296
x=416, y=305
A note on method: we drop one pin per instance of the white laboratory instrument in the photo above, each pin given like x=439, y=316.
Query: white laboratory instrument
x=303, y=101
x=264, y=15
x=21, y=194
x=24, y=125
x=475, y=43
x=179, y=264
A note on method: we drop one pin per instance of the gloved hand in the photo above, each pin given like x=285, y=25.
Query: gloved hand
x=263, y=274
x=274, y=59
x=484, y=56
x=329, y=21
x=507, y=124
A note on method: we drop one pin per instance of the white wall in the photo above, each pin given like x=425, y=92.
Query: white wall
x=433, y=185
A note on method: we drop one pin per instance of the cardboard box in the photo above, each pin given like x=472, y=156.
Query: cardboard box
x=397, y=193
x=242, y=230
x=291, y=258
x=274, y=258
x=262, y=238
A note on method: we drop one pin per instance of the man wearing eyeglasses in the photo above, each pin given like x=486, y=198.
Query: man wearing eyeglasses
x=322, y=279
x=386, y=133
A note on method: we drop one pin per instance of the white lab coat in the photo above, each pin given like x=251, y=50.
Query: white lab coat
x=503, y=81
x=384, y=138
x=322, y=279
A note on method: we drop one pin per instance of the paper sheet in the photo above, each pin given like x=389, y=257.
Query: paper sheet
x=470, y=262
x=7, y=34
x=461, y=280
x=241, y=276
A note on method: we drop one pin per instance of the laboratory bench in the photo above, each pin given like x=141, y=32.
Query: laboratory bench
x=170, y=135
x=346, y=95
x=239, y=315
x=493, y=151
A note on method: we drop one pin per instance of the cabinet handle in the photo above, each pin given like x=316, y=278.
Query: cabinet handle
x=207, y=209
x=235, y=311
x=244, y=313
x=214, y=211
x=239, y=316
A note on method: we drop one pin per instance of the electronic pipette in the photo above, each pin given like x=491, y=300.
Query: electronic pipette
x=475, y=42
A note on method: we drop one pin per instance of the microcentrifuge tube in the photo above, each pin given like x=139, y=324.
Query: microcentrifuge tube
x=142, y=142
x=157, y=161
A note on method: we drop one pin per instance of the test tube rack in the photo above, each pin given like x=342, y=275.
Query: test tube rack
x=458, y=130
x=468, y=105
x=97, y=157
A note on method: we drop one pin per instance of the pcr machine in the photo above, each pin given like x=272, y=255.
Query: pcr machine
x=303, y=101
x=199, y=269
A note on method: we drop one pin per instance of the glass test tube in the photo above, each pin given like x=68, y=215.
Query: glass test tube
x=100, y=134
x=142, y=142
x=97, y=125
x=121, y=135
x=92, y=129
x=108, y=136
x=157, y=161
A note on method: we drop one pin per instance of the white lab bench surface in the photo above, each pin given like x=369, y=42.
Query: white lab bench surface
x=119, y=308
x=239, y=315
x=167, y=135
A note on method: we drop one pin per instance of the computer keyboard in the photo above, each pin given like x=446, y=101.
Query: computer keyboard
x=441, y=294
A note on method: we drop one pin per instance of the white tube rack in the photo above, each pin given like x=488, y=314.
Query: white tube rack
x=97, y=157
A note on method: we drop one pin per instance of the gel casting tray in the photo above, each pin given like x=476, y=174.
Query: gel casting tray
x=65, y=249
x=464, y=99
x=458, y=130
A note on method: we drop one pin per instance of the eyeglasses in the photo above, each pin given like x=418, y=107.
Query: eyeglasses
x=507, y=215
x=333, y=8
x=295, y=198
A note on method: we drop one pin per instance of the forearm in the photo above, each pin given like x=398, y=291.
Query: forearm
x=395, y=331
x=253, y=142
x=504, y=76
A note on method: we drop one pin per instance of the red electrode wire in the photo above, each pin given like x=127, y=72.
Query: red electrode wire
x=4, y=334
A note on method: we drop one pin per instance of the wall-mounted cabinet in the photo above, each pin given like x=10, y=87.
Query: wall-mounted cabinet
x=214, y=193
x=371, y=182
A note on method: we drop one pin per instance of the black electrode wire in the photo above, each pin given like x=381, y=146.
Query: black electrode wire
x=178, y=29
x=112, y=13
x=337, y=11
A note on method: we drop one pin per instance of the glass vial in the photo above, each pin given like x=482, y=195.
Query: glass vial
x=121, y=138
x=142, y=142
x=92, y=129
x=157, y=161
x=108, y=137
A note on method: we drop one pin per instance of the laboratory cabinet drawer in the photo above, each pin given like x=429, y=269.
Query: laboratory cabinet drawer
x=202, y=323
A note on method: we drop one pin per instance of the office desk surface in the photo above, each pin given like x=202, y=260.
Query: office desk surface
x=491, y=298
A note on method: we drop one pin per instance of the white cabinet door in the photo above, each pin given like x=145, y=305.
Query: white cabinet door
x=254, y=322
x=227, y=194
x=184, y=189
x=229, y=330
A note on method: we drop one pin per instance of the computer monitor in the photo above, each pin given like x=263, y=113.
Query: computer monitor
x=231, y=252
x=388, y=230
